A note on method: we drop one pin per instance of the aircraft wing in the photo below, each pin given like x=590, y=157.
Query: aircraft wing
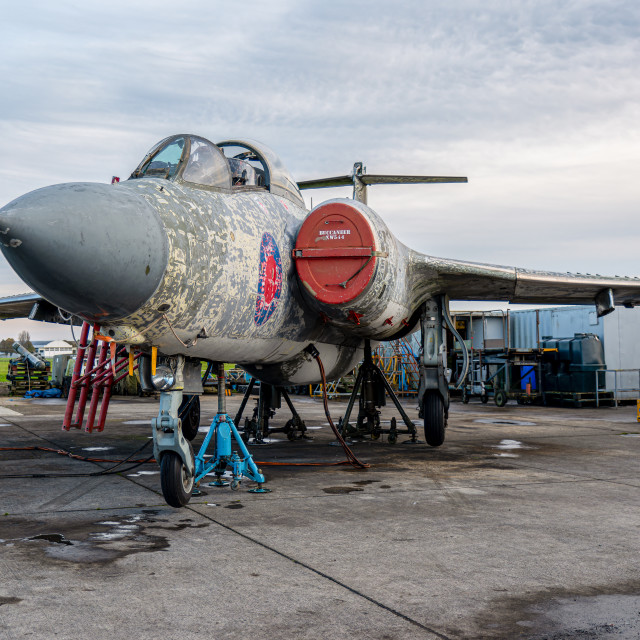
x=32, y=306
x=18, y=306
x=476, y=281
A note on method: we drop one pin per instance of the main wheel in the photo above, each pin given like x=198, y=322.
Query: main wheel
x=465, y=395
x=434, y=424
x=500, y=397
x=484, y=398
x=393, y=431
x=176, y=483
x=373, y=426
x=290, y=430
x=189, y=413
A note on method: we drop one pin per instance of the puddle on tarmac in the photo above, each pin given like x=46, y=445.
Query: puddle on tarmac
x=51, y=537
x=97, y=448
x=507, y=445
x=104, y=541
x=142, y=473
x=234, y=505
x=624, y=435
x=568, y=616
x=9, y=600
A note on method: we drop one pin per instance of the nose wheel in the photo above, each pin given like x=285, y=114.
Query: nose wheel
x=175, y=480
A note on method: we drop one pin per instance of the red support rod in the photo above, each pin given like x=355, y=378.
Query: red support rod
x=84, y=391
x=95, y=395
x=108, y=387
x=71, y=399
x=88, y=374
x=104, y=407
x=106, y=370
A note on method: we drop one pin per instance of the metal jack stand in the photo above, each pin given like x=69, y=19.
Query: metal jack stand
x=223, y=431
x=372, y=385
x=268, y=401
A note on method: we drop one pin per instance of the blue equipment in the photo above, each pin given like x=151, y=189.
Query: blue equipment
x=222, y=433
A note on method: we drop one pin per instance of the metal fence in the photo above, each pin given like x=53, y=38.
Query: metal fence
x=625, y=384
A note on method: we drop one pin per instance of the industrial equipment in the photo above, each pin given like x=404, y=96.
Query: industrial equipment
x=27, y=373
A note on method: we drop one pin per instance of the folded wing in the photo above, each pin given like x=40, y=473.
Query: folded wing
x=32, y=306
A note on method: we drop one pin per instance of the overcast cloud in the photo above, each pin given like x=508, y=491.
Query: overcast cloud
x=538, y=103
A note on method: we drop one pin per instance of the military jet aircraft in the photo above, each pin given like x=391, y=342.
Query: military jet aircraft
x=207, y=252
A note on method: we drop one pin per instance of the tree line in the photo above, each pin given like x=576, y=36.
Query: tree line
x=6, y=345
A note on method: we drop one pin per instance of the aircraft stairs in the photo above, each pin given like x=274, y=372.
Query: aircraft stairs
x=399, y=364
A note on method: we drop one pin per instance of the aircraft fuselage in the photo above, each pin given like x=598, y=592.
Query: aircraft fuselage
x=230, y=272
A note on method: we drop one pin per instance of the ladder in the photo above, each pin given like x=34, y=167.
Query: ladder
x=407, y=366
x=100, y=364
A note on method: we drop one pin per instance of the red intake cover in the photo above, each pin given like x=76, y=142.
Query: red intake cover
x=334, y=253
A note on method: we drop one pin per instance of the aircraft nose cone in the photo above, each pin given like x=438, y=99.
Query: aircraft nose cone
x=98, y=251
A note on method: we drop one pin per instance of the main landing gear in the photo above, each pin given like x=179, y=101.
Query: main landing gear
x=433, y=394
x=371, y=386
x=257, y=427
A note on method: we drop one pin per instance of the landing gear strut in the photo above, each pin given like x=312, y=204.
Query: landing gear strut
x=433, y=395
x=372, y=385
x=172, y=449
x=257, y=427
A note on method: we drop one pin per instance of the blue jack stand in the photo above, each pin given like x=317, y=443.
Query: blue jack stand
x=223, y=432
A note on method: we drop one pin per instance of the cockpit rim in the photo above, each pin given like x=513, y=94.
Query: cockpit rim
x=278, y=180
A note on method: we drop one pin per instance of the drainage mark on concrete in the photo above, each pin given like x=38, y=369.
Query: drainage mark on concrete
x=517, y=423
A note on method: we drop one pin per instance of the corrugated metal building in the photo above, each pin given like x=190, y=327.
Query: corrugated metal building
x=619, y=332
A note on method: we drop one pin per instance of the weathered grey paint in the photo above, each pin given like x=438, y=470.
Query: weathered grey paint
x=96, y=251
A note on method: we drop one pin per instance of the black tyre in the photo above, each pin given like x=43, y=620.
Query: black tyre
x=189, y=413
x=373, y=427
x=290, y=430
x=500, y=398
x=176, y=484
x=434, y=423
x=465, y=396
x=484, y=398
x=393, y=431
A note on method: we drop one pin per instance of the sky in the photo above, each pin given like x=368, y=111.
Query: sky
x=537, y=102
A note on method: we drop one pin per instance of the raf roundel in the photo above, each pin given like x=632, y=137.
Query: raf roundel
x=269, y=280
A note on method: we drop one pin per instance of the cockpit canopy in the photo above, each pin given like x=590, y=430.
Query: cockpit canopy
x=231, y=165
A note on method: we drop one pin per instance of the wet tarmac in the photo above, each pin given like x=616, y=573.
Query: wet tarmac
x=524, y=525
